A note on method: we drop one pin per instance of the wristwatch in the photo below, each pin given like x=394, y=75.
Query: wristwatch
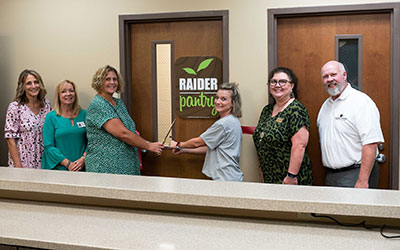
x=292, y=175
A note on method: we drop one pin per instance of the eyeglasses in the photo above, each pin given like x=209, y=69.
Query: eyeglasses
x=281, y=82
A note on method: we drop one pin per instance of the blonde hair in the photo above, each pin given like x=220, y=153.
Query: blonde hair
x=57, y=102
x=236, y=100
x=20, y=96
x=100, y=77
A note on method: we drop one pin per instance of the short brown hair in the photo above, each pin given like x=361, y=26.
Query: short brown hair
x=100, y=77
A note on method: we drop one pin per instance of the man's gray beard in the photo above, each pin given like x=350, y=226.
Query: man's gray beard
x=335, y=91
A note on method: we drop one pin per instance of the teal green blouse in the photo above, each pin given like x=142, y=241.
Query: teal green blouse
x=62, y=140
x=106, y=153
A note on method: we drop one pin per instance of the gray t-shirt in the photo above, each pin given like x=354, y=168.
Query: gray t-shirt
x=223, y=139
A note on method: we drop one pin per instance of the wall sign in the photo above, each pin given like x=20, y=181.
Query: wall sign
x=196, y=82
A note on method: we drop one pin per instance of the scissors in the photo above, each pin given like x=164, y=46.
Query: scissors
x=169, y=131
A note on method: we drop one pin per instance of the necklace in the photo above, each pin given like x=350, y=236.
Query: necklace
x=278, y=108
x=284, y=105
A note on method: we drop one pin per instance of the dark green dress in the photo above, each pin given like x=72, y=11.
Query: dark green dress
x=272, y=138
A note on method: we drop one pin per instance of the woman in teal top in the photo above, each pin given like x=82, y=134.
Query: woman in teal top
x=64, y=131
x=111, y=132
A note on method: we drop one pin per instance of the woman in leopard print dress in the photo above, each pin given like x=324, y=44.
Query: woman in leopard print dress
x=282, y=133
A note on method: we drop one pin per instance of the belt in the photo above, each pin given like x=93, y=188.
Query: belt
x=354, y=166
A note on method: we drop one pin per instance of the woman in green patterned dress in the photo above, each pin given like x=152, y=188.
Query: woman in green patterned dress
x=111, y=132
x=282, y=133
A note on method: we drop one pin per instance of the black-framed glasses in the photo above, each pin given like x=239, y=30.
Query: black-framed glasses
x=281, y=82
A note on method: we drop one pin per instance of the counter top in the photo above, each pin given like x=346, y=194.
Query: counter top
x=68, y=210
x=200, y=196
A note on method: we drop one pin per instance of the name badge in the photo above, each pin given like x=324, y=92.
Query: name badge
x=81, y=124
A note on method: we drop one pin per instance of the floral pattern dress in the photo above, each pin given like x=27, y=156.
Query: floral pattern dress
x=26, y=128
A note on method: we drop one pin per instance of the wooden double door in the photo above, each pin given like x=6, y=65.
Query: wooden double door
x=304, y=44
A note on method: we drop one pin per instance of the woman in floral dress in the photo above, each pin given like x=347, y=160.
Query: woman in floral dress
x=24, y=121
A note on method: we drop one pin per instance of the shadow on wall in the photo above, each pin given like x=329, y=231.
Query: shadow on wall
x=6, y=95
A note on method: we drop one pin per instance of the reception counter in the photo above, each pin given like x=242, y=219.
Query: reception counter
x=64, y=210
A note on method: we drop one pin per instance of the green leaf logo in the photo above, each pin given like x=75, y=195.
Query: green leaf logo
x=190, y=71
x=203, y=65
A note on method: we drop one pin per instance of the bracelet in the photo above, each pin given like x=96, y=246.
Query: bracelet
x=178, y=146
x=292, y=175
x=69, y=163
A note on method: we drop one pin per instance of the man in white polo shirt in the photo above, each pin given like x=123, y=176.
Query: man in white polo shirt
x=349, y=131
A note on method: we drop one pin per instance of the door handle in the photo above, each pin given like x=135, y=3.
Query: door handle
x=381, y=158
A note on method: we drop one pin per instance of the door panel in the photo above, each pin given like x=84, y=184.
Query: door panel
x=306, y=43
x=190, y=38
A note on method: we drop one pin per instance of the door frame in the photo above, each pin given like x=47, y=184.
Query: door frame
x=124, y=40
x=394, y=10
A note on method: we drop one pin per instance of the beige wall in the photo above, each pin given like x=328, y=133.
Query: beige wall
x=72, y=38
